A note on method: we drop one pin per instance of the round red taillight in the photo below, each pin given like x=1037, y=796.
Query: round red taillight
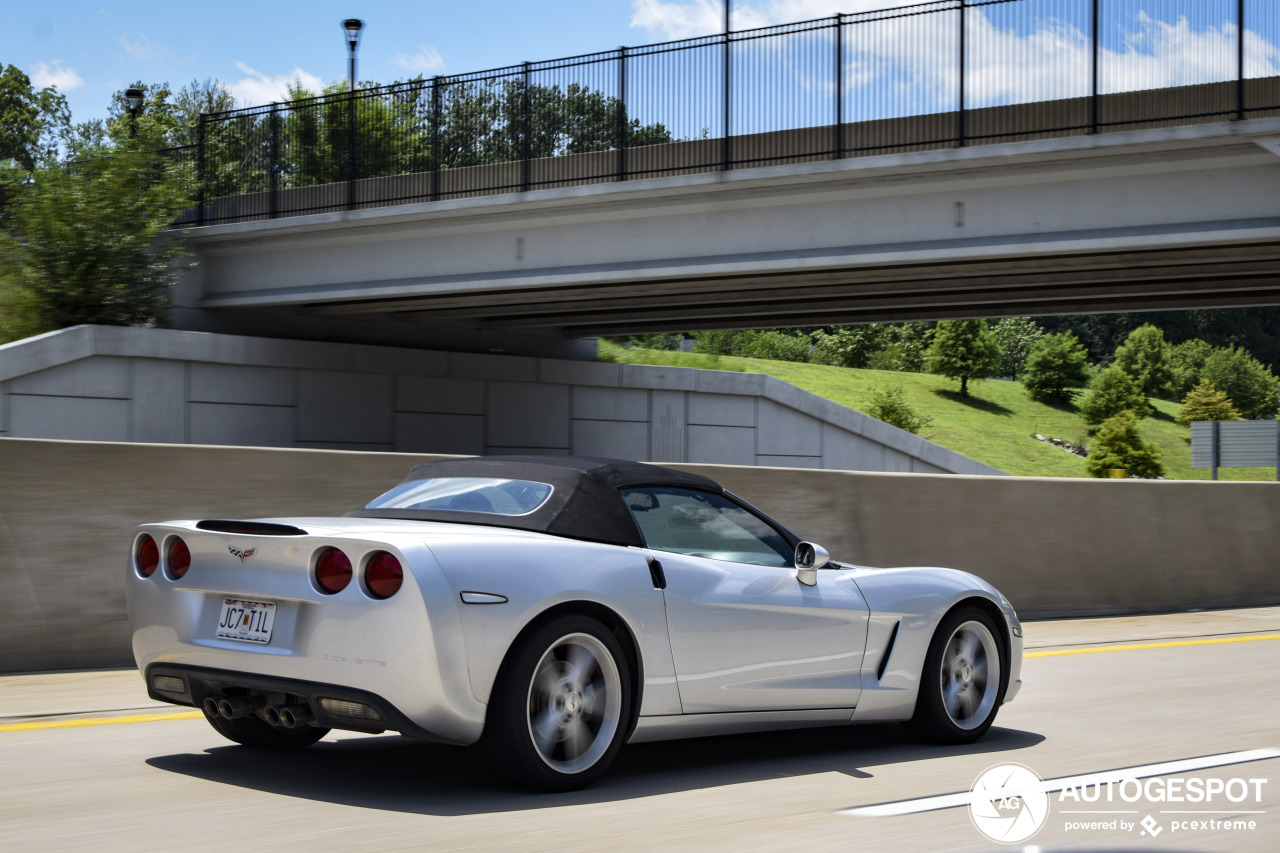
x=179, y=558
x=333, y=571
x=146, y=555
x=383, y=575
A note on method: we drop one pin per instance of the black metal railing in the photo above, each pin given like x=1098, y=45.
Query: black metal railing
x=929, y=75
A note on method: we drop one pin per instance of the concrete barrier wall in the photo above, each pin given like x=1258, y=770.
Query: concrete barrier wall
x=107, y=383
x=1054, y=547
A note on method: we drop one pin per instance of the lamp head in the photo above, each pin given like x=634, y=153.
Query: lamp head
x=352, y=27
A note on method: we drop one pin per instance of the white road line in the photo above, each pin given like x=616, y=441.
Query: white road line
x=1186, y=765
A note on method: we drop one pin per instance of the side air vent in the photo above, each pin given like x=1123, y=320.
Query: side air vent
x=888, y=651
x=251, y=528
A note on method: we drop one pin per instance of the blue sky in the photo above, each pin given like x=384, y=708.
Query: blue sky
x=92, y=49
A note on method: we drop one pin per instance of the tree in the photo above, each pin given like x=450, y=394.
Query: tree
x=1119, y=445
x=1112, y=391
x=1145, y=356
x=85, y=232
x=1055, y=364
x=1250, y=386
x=1186, y=361
x=1206, y=403
x=403, y=130
x=1016, y=336
x=890, y=405
x=31, y=120
x=964, y=350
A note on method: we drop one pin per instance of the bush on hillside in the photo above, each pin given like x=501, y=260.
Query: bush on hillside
x=1119, y=445
x=847, y=346
x=1206, y=403
x=890, y=406
x=754, y=343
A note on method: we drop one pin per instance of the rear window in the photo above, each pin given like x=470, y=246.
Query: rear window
x=466, y=494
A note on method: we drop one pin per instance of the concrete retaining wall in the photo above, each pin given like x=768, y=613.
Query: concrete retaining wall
x=1054, y=547
x=100, y=383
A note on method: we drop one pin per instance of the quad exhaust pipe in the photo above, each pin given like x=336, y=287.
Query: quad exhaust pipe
x=235, y=707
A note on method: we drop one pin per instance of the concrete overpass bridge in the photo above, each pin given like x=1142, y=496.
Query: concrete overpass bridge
x=1168, y=217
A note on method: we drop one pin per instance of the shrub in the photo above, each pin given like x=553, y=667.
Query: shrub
x=719, y=342
x=1016, y=336
x=1118, y=445
x=964, y=350
x=904, y=347
x=772, y=344
x=19, y=308
x=1112, y=391
x=754, y=343
x=659, y=342
x=848, y=346
x=1206, y=403
x=889, y=405
x=1250, y=386
x=1055, y=364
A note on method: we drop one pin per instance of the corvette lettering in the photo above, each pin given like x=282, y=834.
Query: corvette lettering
x=356, y=661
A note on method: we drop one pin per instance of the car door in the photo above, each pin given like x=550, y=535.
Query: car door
x=745, y=634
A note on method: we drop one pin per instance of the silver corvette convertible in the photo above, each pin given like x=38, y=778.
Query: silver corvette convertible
x=549, y=610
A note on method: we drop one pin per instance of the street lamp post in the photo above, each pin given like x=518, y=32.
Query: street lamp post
x=133, y=97
x=352, y=27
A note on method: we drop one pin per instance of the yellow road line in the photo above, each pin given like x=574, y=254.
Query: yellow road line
x=36, y=725
x=1212, y=641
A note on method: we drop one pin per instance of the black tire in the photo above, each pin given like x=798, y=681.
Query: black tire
x=962, y=684
x=250, y=731
x=560, y=709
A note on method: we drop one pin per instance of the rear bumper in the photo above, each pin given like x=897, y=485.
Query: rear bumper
x=200, y=683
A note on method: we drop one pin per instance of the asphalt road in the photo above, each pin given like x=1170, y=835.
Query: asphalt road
x=77, y=774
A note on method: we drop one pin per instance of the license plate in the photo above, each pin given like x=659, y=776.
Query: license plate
x=246, y=621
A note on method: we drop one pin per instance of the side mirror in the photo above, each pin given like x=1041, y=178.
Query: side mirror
x=810, y=558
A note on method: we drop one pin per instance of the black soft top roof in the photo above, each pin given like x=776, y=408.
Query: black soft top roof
x=584, y=502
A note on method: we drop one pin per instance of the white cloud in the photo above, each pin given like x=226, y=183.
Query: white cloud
x=894, y=74
x=257, y=88
x=667, y=20
x=56, y=75
x=143, y=49
x=425, y=60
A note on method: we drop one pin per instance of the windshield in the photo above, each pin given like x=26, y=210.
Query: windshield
x=466, y=494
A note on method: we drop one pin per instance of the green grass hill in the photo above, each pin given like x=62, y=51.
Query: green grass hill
x=996, y=424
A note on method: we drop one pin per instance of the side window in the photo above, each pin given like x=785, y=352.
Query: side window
x=704, y=524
